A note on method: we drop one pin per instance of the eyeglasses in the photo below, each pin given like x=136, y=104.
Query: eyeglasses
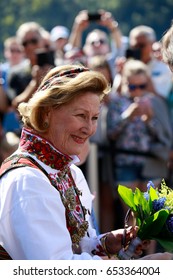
x=134, y=87
x=101, y=42
x=32, y=41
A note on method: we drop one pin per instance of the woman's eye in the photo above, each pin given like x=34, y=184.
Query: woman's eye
x=82, y=116
x=95, y=118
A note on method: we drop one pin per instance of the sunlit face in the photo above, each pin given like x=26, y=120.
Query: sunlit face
x=96, y=44
x=32, y=41
x=14, y=53
x=72, y=124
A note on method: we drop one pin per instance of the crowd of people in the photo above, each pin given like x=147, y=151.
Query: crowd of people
x=62, y=92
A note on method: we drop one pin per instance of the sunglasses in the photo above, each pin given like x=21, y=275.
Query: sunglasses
x=32, y=41
x=101, y=42
x=134, y=87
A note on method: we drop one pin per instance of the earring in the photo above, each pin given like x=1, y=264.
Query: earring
x=46, y=125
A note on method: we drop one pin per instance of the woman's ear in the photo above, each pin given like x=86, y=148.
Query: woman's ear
x=47, y=113
x=46, y=120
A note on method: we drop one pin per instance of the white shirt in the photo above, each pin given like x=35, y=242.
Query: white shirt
x=161, y=77
x=32, y=217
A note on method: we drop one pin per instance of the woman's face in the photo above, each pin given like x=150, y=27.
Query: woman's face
x=31, y=42
x=96, y=44
x=72, y=124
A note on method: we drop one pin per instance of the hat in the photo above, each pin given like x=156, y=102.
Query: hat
x=59, y=32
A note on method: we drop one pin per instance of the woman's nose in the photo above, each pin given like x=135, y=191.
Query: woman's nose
x=90, y=127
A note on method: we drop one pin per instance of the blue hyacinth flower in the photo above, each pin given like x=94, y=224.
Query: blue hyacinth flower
x=149, y=185
x=158, y=204
x=169, y=224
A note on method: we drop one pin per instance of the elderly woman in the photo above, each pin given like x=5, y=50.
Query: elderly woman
x=45, y=206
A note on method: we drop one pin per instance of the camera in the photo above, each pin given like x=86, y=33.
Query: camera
x=94, y=16
x=45, y=57
x=133, y=53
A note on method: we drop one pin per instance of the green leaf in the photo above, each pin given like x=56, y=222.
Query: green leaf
x=127, y=196
x=167, y=244
x=153, y=225
x=141, y=201
x=153, y=194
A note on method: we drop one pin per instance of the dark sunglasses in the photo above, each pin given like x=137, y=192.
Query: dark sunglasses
x=101, y=42
x=134, y=87
x=32, y=41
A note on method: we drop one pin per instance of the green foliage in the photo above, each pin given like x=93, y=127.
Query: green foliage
x=151, y=222
x=127, y=195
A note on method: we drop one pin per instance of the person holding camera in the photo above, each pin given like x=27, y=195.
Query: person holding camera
x=97, y=41
x=141, y=39
x=139, y=128
x=24, y=79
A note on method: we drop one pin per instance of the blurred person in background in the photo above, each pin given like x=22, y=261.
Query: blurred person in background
x=24, y=80
x=59, y=36
x=156, y=47
x=14, y=57
x=142, y=38
x=139, y=128
x=105, y=196
x=97, y=41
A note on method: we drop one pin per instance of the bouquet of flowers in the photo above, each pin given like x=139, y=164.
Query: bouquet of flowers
x=153, y=212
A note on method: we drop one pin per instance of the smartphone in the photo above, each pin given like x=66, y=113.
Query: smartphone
x=45, y=57
x=94, y=16
x=133, y=53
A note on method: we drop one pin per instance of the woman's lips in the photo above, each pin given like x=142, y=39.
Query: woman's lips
x=79, y=140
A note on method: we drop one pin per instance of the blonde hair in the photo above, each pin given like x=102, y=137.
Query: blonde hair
x=57, y=89
x=133, y=67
